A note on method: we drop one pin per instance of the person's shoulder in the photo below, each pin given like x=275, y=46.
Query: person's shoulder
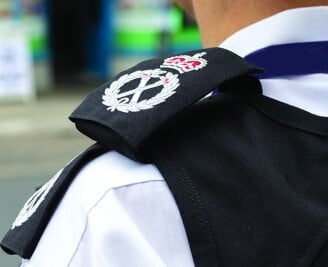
x=109, y=196
x=111, y=171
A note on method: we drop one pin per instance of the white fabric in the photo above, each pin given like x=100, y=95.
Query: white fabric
x=291, y=26
x=307, y=92
x=121, y=213
x=116, y=213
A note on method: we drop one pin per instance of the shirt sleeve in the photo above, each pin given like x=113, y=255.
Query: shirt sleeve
x=117, y=212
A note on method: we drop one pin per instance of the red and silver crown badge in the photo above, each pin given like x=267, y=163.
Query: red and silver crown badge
x=130, y=100
x=185, y=63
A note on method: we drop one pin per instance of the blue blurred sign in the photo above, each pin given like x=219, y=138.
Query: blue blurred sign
x=16, y=79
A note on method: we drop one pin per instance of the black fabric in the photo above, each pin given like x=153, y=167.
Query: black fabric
x=22, y=240
x=251, y=186
x=322, y=260
x=134, y=128
x=194, y=213
x=249, y=174
x=127, y=132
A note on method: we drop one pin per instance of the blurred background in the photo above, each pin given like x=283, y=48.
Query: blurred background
x=52, y=54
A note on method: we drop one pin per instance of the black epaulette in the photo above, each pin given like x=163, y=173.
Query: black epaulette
x=122, y=115
x=27, y=229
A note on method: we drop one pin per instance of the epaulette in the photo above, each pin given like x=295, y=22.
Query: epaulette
x=124, y=113
x=27, y=229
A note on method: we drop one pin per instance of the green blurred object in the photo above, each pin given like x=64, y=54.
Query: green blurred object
x=141, y=33
x=37, y=36
x=135, y=41
x=185, y=40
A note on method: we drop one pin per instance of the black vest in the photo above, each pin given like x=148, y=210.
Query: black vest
x=249, y=174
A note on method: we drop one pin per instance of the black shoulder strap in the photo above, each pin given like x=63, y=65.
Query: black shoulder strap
x=26, y=231
x=250, y=189
x=124, y=113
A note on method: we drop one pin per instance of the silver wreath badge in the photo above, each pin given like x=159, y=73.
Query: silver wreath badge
x=115, y=100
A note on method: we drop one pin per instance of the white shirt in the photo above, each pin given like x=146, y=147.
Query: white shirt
x=118, y=212
x=308, y=92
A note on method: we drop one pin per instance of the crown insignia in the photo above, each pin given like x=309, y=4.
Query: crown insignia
x=185, y=63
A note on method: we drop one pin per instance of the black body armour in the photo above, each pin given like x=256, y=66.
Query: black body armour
x=249, y=174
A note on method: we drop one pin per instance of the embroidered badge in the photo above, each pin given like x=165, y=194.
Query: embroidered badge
x=34, y=202
x=185, y=63
x=129, y=101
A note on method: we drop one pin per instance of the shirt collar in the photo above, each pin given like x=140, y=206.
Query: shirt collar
x=308, y=92
x=290, y=26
